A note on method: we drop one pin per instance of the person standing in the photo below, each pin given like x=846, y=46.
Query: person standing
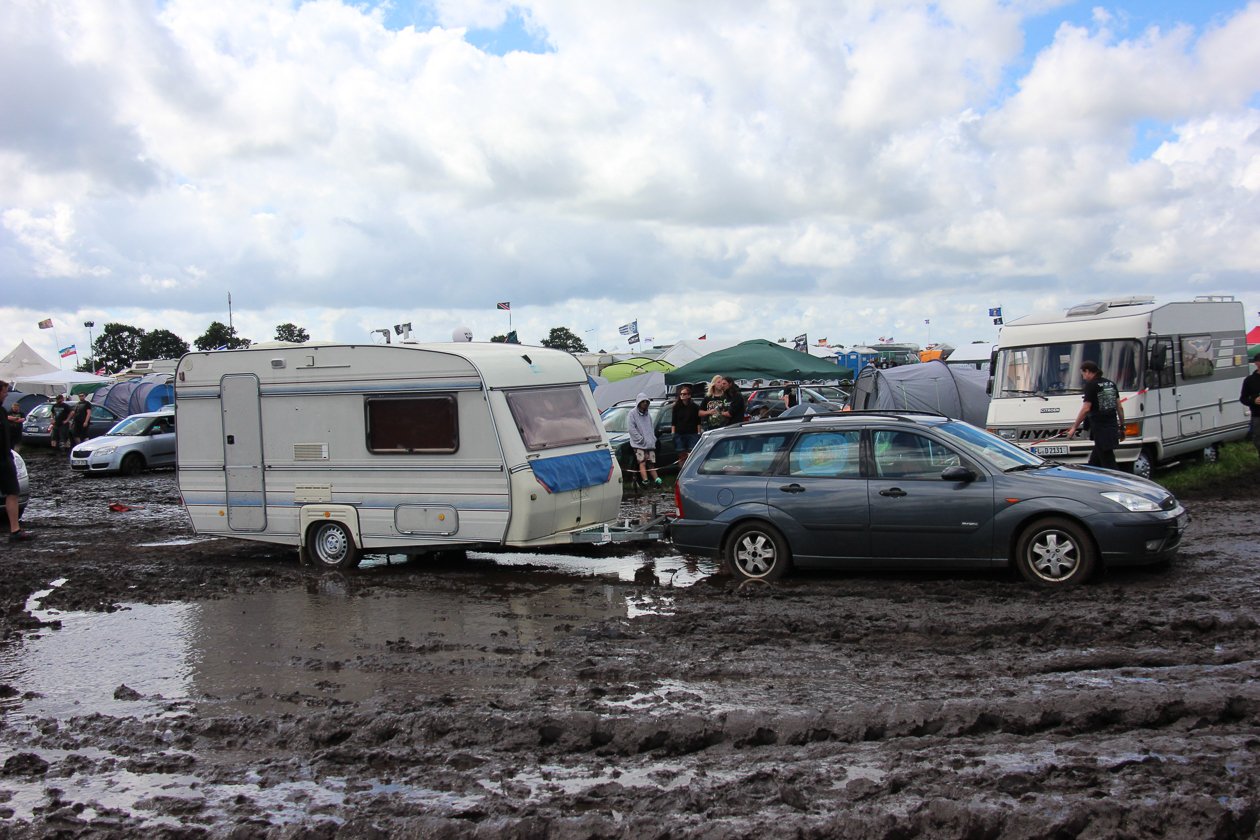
x=735, y=403
x=685, y=424
x=1250, y=397
x=714, y=404
x=60, y=436
x=80, y=417
x=9, y=487
x=643, y=439
x=1100, y=402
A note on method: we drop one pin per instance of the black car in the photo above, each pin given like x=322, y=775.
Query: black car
x=899, y=490
x=37, y=427
x=616, y=423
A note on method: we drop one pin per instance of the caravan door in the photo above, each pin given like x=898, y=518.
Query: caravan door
x=242, y=453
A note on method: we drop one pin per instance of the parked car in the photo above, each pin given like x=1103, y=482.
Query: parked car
x=37, y=427
x=141, y=441
x=616, y=423
x=897, y=490
x=24, y=489
x=825, y=397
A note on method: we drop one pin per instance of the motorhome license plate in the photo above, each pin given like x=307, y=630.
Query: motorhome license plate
x=1050, y=450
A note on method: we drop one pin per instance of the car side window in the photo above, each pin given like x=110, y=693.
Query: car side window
x=907, y=455
x=832, y=454
x=752, y=455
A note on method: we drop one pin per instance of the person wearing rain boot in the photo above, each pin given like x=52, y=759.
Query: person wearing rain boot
x=643, y=440
x=8, y=476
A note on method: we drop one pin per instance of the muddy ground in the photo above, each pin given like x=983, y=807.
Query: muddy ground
x=167, y=687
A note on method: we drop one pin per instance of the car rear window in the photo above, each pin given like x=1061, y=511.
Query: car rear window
x=753, y=455
x=831, y=454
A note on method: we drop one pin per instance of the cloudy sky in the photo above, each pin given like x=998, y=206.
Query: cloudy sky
x=736, y=169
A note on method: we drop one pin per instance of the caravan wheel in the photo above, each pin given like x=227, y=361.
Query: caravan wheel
x=331, y=546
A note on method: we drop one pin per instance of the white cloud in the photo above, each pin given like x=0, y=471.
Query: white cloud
x=730, y=169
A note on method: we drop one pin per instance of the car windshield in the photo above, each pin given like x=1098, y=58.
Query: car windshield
x=617, y=418
x=988, y=448
x=131, y=426
x=40, y=411
x=1049, y=369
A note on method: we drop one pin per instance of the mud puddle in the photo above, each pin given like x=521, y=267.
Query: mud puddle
x=320, y=646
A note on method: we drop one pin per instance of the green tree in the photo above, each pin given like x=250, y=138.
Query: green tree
x=117, y=346
x=498, y=339
x=162, y=344
x=563, y=338
x=219, y=334
x=292, y=332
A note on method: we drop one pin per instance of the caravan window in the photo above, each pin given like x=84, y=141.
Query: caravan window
x=551, y=417
x=1048, y=369
x=401, y=425
x=1197, y=357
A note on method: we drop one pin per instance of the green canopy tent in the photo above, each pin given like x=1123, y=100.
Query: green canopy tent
x=759, y=359
x=627, y=368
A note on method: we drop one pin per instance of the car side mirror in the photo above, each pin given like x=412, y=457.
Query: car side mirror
x=957, y=474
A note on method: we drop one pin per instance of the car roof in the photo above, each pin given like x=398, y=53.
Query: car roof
x=840, y=419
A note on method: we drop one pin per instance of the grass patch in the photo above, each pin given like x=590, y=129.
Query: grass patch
x=1237, y=462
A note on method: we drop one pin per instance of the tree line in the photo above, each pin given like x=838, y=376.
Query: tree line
x=120, y=345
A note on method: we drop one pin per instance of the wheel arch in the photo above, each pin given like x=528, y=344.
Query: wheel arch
x=308, y=515
x=753, y=519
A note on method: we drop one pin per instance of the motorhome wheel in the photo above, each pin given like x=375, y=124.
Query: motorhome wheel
x=1144, y=464
x=331, y=546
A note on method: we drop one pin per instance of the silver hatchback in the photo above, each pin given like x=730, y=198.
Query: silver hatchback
x=138, y=442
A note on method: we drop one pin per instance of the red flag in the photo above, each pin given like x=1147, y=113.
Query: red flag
x=503, y=304
x=703, y=337
x=46, y=324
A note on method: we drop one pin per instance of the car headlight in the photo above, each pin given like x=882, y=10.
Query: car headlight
x=109, y=450
x=1133, y=502
x=1004, y=434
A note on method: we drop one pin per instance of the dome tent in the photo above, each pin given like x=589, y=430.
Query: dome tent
x=952, y=390
x=634, y=366
x=134, y=396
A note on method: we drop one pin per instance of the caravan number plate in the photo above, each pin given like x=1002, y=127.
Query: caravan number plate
x=1049, y=450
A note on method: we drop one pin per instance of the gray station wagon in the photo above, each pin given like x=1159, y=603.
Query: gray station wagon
x=901, y=490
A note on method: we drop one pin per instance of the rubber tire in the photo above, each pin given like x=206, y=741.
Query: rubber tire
x=330, y=546
x=1064, y=540
x=1211, y=453
x=757, y=551
x=132, y=464
x=1144, y=465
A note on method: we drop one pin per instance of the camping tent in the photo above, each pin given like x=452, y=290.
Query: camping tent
x=954, y=391
x=56, y=382
x=22, y=403
x=633, y=366
x=133, y=396
x=23, y=361
x=689, y=349
x=759, y=359
x=652, y=384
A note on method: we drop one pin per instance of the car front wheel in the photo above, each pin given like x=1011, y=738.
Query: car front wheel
x=331, y=546
x=1055, y=552
x=756, y=551
x=132, y=463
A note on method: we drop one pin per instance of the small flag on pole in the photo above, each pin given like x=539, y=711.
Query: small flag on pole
x=927, y=320
x=995, y=312
x=997, y=322
x=505, y=304
x=634, y=339
x=630, y=328
x=67, y=352
x=703, y=337
x=46, y=324
x=801, y=342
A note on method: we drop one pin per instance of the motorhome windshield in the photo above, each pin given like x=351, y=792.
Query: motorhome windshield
x=1049, y=369
x=552, y=417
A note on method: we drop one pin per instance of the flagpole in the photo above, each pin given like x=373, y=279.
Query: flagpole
x=57, y=344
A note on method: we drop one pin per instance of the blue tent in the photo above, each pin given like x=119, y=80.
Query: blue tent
x=135, y=396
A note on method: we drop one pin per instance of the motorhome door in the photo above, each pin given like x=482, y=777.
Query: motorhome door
x=1162, y=382
x=242, y=453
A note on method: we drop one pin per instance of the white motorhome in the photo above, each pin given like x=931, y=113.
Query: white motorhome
x=1179, y=368
x=344, y=449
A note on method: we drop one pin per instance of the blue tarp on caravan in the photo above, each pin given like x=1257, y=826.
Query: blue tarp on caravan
x=134, y=396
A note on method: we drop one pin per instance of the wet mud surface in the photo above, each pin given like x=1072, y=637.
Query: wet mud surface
x=160, y=685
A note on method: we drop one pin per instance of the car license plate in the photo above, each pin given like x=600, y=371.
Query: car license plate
x=1050, y=450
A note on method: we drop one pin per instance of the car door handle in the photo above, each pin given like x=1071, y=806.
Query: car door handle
x=895, y=492
x=792, y=488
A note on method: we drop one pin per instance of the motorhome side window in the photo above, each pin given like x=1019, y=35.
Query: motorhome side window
x=403, y=425
x=1197, y=358
x=551, y=417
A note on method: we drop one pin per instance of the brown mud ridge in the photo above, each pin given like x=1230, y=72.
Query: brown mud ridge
x=484, y=699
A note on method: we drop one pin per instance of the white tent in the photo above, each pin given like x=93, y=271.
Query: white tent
x=690, y=349
x=815, y=350
x=56, y=382
x=24, y=361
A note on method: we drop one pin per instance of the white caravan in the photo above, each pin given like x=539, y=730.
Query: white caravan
x=345, y=449
x=1179, y=368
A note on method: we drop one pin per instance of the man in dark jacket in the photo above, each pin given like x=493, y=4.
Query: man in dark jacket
x=1100, y=402
x=1250, y=397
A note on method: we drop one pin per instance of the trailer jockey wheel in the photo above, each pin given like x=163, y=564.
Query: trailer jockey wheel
x=330, y=546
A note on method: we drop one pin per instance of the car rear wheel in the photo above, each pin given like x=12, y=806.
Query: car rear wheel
x=756, y=551
x=330, y=546
x=1055, y=552
x=132, y=463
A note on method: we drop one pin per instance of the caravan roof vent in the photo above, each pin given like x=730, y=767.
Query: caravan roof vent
x=1097, y=307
